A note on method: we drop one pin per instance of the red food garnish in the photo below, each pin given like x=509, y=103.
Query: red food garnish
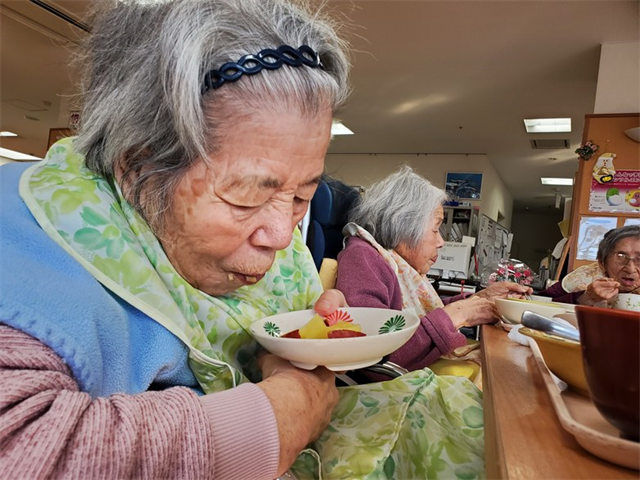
x=345, y=334
x=337, y=316
x=292, y=334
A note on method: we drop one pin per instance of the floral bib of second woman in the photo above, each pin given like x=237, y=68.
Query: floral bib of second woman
x=89, y=218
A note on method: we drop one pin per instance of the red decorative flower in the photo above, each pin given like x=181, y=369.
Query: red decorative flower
x=337, y=316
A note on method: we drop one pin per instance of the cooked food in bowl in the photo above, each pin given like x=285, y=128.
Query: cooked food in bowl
x=337, y=325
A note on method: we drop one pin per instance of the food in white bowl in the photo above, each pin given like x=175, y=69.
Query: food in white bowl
x=511, y=309
x=384, y=332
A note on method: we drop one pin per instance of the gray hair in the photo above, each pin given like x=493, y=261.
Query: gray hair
x=398, y=208
x=612, y=237
x=144, y=66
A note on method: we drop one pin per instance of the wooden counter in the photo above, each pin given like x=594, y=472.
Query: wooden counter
x=523, y=436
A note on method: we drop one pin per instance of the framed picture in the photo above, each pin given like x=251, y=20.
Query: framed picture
x=464, y=185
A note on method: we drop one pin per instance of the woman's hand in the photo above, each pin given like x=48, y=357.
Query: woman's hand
x=600, y=290
x=504, y=290
x=329, y=302
x=302, y=401
x=472, y=311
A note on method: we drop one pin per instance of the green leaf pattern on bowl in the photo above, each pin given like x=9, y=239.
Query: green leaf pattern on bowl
x=394, y=324
x=272, y=329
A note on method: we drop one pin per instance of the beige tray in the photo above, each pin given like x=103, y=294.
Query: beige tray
x=579, y=417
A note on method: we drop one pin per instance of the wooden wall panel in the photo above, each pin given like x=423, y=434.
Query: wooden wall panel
x=607, y=131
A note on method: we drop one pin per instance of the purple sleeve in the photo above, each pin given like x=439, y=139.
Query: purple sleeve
x=366, y=280
x=558, y=294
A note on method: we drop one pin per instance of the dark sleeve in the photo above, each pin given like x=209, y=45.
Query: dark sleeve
x=558, y=294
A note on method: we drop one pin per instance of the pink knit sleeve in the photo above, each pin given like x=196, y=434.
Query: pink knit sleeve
x=50, y=429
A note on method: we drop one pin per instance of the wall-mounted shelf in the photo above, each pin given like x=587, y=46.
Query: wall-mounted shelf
x=459, y=221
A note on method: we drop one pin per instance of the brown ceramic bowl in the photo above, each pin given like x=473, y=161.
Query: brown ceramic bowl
x=611, y=354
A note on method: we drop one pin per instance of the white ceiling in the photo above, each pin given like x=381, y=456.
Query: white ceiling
x=441, y=76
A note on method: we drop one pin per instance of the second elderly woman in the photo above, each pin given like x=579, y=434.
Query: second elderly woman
x=394, y=241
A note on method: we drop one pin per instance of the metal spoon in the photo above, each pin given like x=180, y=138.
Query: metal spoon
x=538, y=322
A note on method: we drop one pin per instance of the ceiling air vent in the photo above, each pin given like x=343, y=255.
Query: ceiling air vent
x=551, y=143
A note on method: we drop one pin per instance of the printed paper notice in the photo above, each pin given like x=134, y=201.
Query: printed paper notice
x=621, y=194
x=592, y=230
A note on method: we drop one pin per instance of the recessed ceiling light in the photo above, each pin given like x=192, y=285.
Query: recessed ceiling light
x=337, y=128
x=547, y=125
x=556, y=181
x=8, y=134
x=13, y=155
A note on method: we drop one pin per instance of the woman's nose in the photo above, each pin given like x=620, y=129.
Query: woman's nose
x=276, y=231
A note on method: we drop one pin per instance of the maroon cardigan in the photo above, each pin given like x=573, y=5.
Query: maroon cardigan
x=367, y=280
x=558, y=294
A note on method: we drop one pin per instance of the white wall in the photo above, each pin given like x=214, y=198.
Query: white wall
x=618, y=89
x=365, y=169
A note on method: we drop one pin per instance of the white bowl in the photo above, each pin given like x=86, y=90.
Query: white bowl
x=511, y=309
x=386, y=331
x=627, y=301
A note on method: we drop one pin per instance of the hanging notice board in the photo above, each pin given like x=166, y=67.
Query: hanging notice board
x=607, y=187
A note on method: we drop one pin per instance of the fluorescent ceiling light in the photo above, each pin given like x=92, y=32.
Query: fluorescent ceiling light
x=547, y=125
x=13, y=155
x=338, y=128
x=556, y=181
x=8, y=134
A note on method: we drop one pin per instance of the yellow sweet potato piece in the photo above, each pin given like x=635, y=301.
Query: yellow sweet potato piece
x=315, y=328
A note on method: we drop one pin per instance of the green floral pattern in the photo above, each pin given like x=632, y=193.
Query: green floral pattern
x=272, y=329
x=394, y=324
x=416, y=426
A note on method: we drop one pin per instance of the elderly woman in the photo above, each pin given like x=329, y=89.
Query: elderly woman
x=394, y=240
x=135, y=257
x=131, y=255
x=617, y=270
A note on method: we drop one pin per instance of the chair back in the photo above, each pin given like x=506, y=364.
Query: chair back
x=329, y=209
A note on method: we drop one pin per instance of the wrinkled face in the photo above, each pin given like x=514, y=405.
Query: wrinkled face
x=425, y=254
x=628, y=275
x=230, y=215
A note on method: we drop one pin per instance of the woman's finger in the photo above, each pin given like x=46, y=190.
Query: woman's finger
x=329, y=302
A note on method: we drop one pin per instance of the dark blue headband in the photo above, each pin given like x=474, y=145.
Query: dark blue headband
x=267, y=58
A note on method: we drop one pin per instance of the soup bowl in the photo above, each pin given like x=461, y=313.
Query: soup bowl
x=610, y=342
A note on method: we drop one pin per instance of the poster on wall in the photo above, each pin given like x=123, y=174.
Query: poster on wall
x=464, y=185
x=592, y=230
x=620, y=195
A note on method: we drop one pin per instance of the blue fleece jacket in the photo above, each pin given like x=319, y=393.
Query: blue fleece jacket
x=110, y=346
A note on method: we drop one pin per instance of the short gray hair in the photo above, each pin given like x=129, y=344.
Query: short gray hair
x=612, y=237
x=143, y=71
x=398, y=208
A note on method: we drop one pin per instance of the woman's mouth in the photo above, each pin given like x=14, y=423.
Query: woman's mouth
x=245, y=278
x=629, y=282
